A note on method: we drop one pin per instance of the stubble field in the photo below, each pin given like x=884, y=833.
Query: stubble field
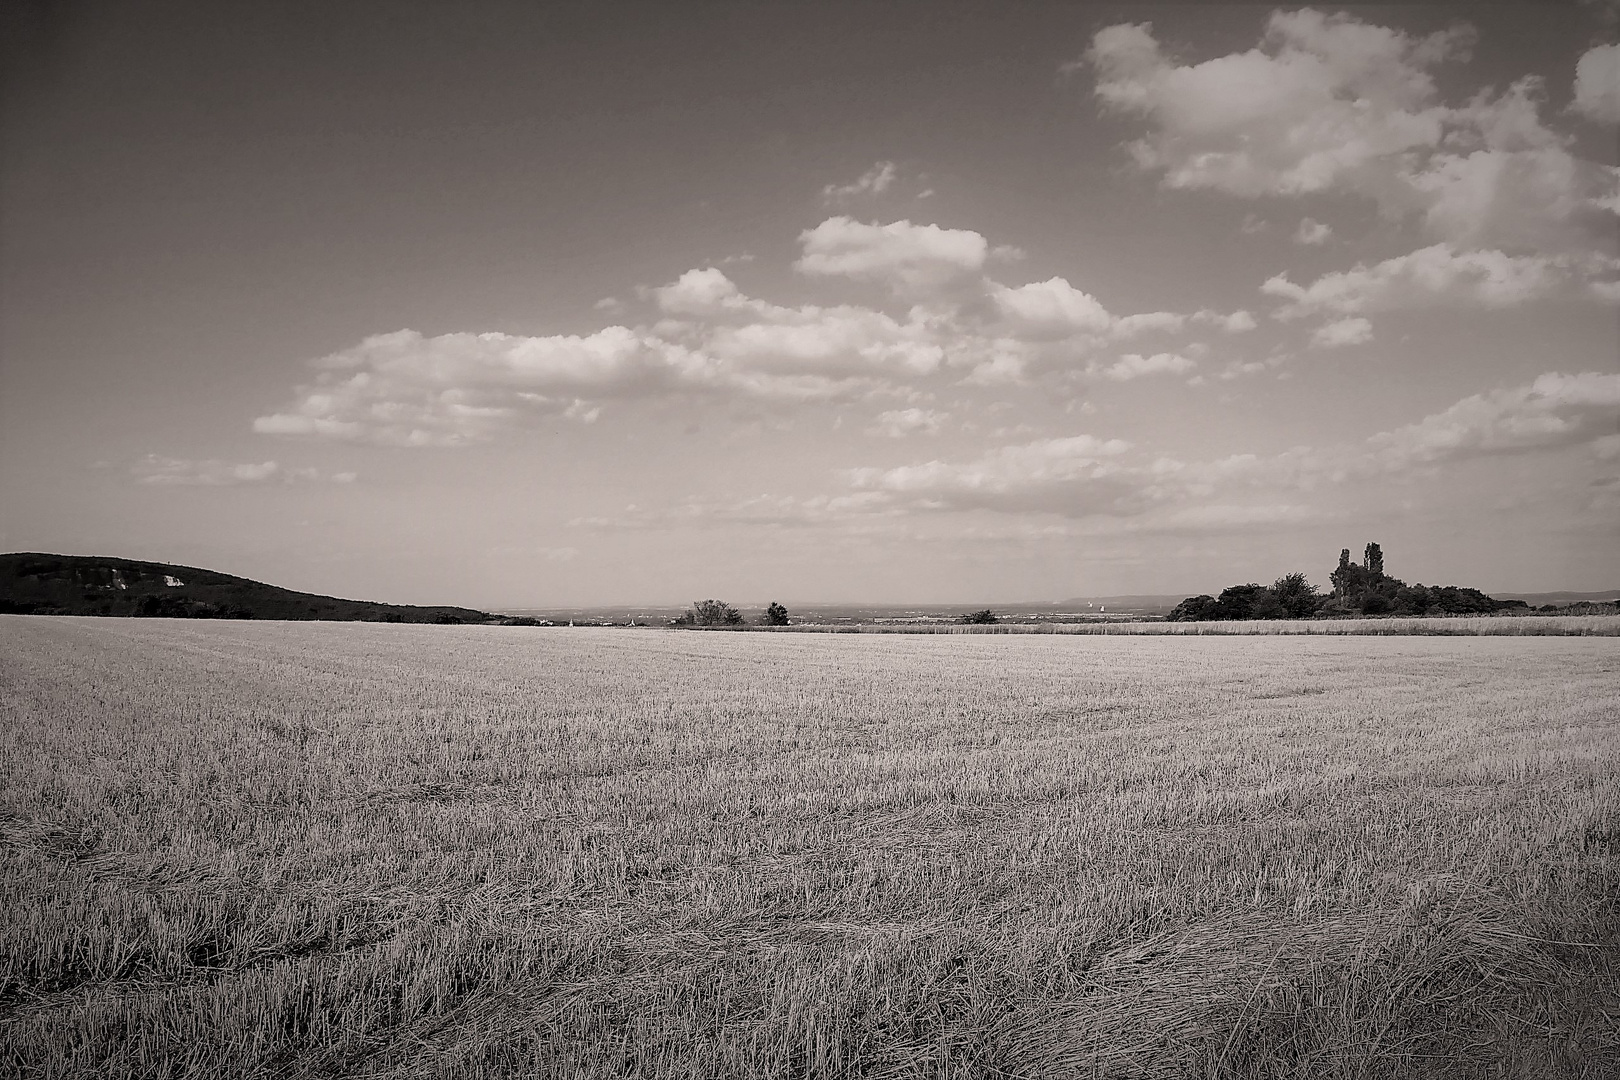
x=298, y=850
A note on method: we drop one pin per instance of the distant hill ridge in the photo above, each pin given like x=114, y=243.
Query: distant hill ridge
x=33, y=583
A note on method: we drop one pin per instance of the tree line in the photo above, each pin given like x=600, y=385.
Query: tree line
x=1358, y=590
x=720, y=613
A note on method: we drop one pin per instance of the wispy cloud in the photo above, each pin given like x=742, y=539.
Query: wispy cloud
x=1441, y=275
x=900, y=423
x=875, y=181
x=1341, y=332
x=1312, y=232
x=211, y=472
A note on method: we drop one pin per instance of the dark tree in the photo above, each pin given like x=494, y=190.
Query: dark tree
x=775, y=615
x=1296, y=596
x=1193, y=609
x=979, y=618
x=710, y=613
x=1373, y=560
x=1237, y=601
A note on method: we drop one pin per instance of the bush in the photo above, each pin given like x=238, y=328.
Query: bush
x=982, y=617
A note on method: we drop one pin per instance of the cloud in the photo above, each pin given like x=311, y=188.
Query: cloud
x=1083, y=476
x=706, y=291
x=755, y=335
x=1237, y=322
x=1328, y=103
x=1312, y=232
x=1597, y=84
x=1351, y=331
x=1078, y=472
x=1050, y=310
x=899, y=423
x=875, y=181
x=1555, y=410
x=708, y=339
x=1135, y=366
x=407, y=389
x=913, y=260
x=212, y=472
x=1442, y=275
x=1322, y=97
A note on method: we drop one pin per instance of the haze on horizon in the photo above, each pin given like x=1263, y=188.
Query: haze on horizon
x=512, y=305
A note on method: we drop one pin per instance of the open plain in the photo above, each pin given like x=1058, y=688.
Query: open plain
x=297, y=850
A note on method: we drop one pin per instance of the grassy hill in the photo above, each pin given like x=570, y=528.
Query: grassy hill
x=32, y=583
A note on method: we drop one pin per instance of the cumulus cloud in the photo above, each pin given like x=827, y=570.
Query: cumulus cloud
x=212, y=472
x=1083, y=476
x=1555, y=410
x=875, y=181
x=1442, y=275
x=1320, y=98
x=1079, y=472
x=1135, y=366
x=1237, y=322
x=1050, y=310
x=407, y=389
x=748, y=333
x=1597, y=84
x=708, y=338
x=1340, y=332
x=899, y=423
x=1328, y=103
x=1312, y=232
x=914, y=260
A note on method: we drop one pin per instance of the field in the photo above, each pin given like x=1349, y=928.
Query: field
x=1428, y=626
x=299, y=850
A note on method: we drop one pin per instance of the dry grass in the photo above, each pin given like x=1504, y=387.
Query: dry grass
x=1437, y=626
x=297, y=850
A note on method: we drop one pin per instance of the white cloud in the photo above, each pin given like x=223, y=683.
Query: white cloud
x=1079, y=473
x=847, y=341
x=1082, y=476
x=1439, y=275
x=407, y=389
x=899, y=423
x=875, y=181
x=915, y=260
x=700, y=292
x=1597, y=84
x=1237, y=322
x=1050, y=310
x=1131, y=325
x=1328, y=103
x=1350, y=331
x=1322, y=97
x=708, y=338
x=212, y=472
x=1135, y=366
x=1312, y=232
x=1554, y=410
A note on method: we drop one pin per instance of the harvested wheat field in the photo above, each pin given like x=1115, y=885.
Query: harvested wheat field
x=297, y=850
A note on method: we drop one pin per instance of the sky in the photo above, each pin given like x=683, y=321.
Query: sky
x=515, y=305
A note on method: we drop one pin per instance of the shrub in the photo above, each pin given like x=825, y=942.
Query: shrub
x=982, y=617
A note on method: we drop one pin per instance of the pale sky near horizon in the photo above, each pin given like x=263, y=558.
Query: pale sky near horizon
x=517, y=305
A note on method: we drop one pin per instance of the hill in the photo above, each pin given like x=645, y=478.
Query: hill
x=32, y=583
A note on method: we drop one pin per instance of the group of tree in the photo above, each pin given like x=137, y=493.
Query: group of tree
x=720, y=613
x=982, y=617
x=1358, y=590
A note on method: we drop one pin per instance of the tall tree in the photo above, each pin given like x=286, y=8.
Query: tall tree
x=1373, y=560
